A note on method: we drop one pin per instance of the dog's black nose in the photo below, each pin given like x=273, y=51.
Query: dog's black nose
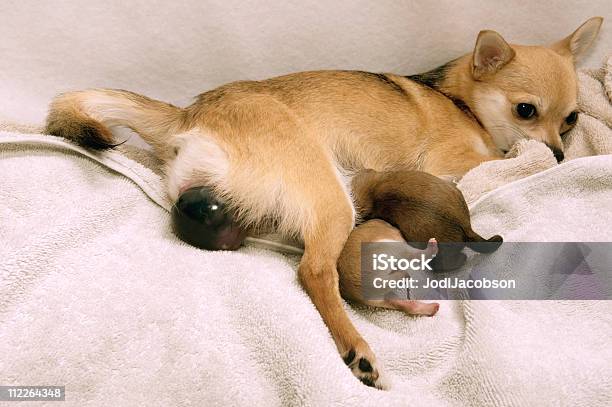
x=201, y=219
x=558, y=154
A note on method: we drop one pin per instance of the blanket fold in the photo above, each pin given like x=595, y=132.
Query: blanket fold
x=97, y=294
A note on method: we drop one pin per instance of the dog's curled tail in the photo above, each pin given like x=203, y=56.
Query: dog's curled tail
x=88, y=116
x=480, y=244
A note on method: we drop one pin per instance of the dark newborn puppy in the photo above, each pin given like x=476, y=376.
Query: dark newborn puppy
x=422, y=206
x=204, y=221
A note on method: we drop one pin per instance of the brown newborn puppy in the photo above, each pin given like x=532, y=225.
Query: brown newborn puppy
x=422, y=206
x=349, y=267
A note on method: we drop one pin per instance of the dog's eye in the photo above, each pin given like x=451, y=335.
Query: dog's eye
x=571, y=119
x=525, y=110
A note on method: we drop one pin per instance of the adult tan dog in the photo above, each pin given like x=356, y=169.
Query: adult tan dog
x=280, y=151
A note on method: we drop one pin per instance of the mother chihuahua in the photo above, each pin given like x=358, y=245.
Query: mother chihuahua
x=281, y=151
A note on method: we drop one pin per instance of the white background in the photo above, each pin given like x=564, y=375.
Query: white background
x=173, y=50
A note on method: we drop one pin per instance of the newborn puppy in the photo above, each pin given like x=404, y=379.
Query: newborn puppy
x=422, y=206
x=204, y=221
x=349, y=267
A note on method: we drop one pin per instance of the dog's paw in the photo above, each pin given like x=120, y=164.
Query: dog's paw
x=362, y=362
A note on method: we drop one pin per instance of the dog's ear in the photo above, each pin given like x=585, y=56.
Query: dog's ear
x=580, y=40
x=491, y=53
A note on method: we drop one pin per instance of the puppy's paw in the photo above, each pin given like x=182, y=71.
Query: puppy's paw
x=362, y=362
x=432, y=248
x=412, y=307
x=414, y=250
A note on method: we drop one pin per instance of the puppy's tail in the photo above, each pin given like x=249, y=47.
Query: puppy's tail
x=88, y=116
x=480, y=244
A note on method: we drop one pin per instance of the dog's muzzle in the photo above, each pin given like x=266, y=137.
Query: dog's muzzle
x=202, y=220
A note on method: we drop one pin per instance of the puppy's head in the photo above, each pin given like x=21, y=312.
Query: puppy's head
x=528, y=91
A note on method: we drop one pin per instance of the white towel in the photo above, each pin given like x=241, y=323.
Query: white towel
x=97, y=294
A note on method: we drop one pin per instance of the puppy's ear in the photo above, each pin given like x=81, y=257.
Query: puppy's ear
x=491, y=53
x=580, y=40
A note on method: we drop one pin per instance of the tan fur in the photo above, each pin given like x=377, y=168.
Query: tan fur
x=87, y=116
x=279, y=150
x=532, y=76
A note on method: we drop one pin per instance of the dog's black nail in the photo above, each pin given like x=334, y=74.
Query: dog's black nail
x=367, y=381
x=349, y=356
x=364, y=365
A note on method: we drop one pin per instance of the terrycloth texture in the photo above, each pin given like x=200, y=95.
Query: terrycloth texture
x=592, y=135
x=98, y=295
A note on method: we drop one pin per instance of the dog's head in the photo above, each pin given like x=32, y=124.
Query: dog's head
x=528, y=91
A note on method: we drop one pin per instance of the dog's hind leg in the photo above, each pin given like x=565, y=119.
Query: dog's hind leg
x=324, y=240
x=313, y=204
x=255, y=155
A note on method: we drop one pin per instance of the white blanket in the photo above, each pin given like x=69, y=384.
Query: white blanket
x=97, y=294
